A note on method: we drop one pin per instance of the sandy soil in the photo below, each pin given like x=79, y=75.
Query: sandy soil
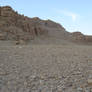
x=45, y=68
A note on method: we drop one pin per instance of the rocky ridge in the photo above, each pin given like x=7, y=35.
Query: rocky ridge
x=14, y=26
x=78, y=36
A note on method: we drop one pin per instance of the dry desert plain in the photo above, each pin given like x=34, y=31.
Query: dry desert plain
x=45, y=68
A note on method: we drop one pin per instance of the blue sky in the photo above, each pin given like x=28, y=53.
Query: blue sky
x=74, y=15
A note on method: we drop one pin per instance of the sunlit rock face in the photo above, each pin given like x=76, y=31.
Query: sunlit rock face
x=14, y=26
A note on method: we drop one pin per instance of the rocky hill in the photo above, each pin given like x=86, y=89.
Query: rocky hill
x=79, y=37
x=14, y=26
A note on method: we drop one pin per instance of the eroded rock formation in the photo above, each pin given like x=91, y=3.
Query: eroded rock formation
x=14, y=26
x=79, y=37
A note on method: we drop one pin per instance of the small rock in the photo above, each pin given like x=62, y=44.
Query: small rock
x=79, y=89
x=89, y=81
x=87, y=90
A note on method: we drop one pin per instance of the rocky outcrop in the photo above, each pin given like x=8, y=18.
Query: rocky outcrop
x=79, y=37
x=6, y=11
x=14, y=26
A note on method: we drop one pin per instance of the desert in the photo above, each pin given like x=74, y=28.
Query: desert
x=41, y=56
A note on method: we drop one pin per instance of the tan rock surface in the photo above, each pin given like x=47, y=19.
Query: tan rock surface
x=14, y=26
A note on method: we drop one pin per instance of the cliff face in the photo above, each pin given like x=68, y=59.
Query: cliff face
x=14, y=26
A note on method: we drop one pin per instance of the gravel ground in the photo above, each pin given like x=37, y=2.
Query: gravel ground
x=45, y=68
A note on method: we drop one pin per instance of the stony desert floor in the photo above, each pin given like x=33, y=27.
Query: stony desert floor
x=45, y=68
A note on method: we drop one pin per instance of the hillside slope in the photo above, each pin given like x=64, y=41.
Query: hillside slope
x=16, y=27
